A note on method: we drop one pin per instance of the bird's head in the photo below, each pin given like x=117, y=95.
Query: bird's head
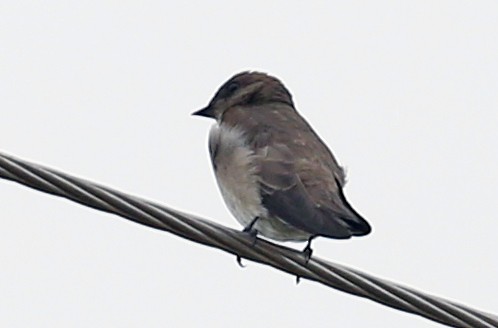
x=246, y=89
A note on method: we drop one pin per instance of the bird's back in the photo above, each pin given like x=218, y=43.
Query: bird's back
x=301, y=181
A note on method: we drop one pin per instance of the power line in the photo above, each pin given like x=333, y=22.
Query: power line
x=211, y=234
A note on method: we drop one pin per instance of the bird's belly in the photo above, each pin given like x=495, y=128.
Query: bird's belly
x=236, y=172
x=238, y=184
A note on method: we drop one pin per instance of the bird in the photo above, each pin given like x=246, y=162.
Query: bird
x=276, y=176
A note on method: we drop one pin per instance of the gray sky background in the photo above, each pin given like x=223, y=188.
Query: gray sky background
x=404, y=93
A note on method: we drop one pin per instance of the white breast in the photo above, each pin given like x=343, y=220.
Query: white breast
x=235, y=171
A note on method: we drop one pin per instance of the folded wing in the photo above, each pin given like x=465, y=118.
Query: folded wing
x=306, y=194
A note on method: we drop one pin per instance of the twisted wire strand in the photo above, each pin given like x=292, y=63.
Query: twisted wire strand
x=211, y=234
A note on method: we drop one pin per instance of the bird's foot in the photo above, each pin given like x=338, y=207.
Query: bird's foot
x=252, y=234
x=239, y=262
x=307, y=251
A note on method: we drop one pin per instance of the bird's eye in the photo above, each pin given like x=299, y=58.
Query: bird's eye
x=232, y=87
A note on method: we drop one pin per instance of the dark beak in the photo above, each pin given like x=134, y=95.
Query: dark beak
x=206, y=112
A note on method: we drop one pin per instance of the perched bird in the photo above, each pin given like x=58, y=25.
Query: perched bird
x=276, y=175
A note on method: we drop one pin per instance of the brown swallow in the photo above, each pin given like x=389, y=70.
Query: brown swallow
x=276, y=175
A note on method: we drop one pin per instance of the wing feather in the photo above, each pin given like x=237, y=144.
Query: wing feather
x=301, y=181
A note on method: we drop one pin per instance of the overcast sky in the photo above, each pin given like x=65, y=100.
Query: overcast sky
x=404, y=93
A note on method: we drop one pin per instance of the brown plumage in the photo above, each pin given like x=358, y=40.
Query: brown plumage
x=270, y=164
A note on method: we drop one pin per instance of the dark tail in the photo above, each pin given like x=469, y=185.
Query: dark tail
x=356, y=223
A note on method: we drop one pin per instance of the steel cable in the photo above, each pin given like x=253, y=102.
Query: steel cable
x=211, y=234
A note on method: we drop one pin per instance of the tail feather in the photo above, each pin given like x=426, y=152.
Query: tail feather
x=357, y=225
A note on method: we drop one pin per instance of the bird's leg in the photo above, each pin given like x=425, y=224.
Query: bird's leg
x=250, y=226
x=252, y=233
x=307, y=251
x=249, y=229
